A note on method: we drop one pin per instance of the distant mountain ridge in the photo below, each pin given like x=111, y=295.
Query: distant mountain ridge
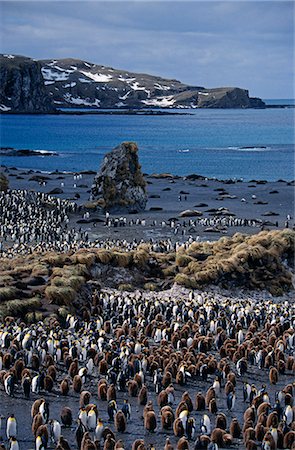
x=73, y=83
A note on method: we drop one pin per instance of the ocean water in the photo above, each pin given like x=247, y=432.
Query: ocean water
x=206, y=142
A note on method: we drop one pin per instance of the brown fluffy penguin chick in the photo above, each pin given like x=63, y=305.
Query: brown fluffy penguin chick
x=227, y=440
x=182, y=444
x=162, y=398
x=249, y=414
x=213, y=406
x=251, y=445
x=111, y=393
x=143, y=396
x=289, y=439
x=138, y=445
x=48, y=383
x=186, y=398
x=35, y=406
x=167, y=418
x=273, y=375
x=272, y=420
x=77, y=383
x=235, y=429
x=43, y=433
x=37, y=422
x=200, y=402
x=150, y=421
x=102, y=391
x=268, y=438
x=62, y=444
x=64, y=387
x=51, y=371
x=178, y=429
x=209, y=395
x=109, y=443
x=120, y=422
x=217, y=436
x=249, y=435
x=133, y=388
x=168, y=445
x=119, y=445
x=260, y=431
x=221, y=421
x=87, y=443
x=66, y=416
x=74, y=368
x=85, y=397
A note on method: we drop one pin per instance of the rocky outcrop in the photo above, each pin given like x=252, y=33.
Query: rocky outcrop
x=4, y=183
x=22, y=86
x=119, y=186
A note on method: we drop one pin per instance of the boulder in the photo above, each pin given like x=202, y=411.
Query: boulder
x=56, y=191
x=120, y=185
x=190, y=213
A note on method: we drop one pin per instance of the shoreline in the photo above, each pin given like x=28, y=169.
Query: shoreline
x=153, y=112
x=178, y=208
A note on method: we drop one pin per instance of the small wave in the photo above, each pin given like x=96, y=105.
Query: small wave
x=250, y=149
x=186, y=150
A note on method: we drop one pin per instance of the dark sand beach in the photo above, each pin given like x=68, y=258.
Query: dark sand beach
x=266, y=204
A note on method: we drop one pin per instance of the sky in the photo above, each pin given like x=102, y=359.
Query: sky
x=214, y=43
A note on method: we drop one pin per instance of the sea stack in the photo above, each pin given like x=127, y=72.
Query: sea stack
x=119, y=186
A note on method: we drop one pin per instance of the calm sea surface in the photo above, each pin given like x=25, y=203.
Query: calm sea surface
x=207, y=142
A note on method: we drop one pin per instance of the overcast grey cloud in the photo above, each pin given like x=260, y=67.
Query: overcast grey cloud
x=245, y=44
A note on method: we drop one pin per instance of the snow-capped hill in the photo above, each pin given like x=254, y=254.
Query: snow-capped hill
x=73, y=83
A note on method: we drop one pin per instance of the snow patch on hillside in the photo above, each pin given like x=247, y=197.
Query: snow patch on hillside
x=52, y=75
x=80, y=101
x=97, y=77
x=4, y=108
x=162, y=102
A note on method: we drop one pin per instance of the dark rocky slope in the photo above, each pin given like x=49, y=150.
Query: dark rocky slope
x=22, y=87
x=73, y=83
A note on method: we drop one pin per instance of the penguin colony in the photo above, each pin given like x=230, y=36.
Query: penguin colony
x=37, y=222
x=153, y=371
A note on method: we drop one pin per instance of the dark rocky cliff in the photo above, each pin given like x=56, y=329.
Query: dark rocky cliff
x=22, y=86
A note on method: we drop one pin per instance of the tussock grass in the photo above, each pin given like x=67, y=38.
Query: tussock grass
x=103, y=256
x=60, y=295
x=40, y=270
x=74, y=282
x=184, y=280
x=252, y=261
x=126, y=287
x=150, y=287
x=85, y=258
x=19, y=307
x=122, y=259
x=183, y=260
x=56, y=260
x=5, y=280
x=141, y=257
x=8, y=293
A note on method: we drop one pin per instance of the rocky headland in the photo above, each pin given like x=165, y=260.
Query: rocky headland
x=41, y=86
